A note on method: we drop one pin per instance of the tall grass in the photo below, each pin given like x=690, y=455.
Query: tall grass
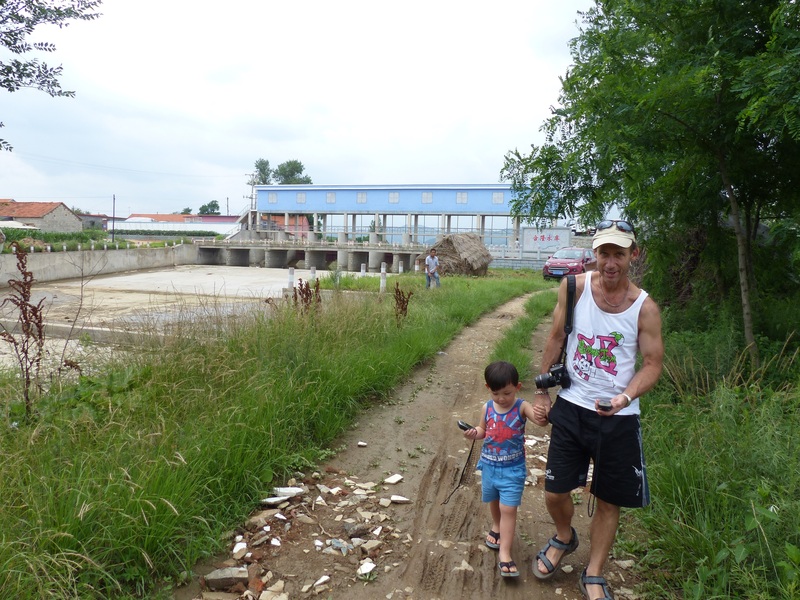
x=516, y=344
x=130, y=476
x=724, y=473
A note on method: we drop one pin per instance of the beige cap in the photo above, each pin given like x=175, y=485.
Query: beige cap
x=612, y=235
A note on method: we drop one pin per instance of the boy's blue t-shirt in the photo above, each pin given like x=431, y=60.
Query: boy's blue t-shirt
x=505, y=436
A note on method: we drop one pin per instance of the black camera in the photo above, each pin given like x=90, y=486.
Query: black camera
x=557, y=375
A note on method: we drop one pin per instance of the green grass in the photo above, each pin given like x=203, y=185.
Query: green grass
x=515, y=346
x=724, y=470
x=127, y=478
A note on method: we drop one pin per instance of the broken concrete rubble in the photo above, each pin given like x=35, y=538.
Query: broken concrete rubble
x=294, y=516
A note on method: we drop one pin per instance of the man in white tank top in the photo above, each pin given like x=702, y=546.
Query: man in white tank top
x=614, y=321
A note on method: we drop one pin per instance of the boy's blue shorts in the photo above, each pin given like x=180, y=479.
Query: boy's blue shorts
x=502, y=482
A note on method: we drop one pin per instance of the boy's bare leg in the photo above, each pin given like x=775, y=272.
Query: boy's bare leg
x=561, y=510
x=494, y=509
x=508, y=523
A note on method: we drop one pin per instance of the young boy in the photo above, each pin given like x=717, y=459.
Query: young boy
x=502, y=427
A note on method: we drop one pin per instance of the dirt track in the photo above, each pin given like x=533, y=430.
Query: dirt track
x=430, y=550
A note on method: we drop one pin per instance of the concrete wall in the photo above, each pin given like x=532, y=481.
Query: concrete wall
x=52, y=266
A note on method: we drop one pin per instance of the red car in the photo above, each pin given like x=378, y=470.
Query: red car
x=569, y=261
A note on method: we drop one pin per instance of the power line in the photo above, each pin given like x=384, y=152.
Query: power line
x=50, y=159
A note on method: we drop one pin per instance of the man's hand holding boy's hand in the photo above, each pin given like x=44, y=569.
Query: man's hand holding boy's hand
x=541, y=408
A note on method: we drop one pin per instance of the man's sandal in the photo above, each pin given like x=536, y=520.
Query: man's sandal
x=554, y=542
x=508, y=565
x=593, y=580
x=493, y=545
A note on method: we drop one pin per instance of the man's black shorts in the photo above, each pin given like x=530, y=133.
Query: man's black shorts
x=613, y=443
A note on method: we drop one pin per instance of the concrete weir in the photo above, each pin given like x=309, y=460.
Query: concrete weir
x=53, y=266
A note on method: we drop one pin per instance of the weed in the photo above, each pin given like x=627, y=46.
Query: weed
x=401, y=300
x=28, y=344
x=305, y=297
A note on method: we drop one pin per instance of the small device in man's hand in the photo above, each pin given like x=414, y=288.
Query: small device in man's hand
x=465, y=426
x=604, y=405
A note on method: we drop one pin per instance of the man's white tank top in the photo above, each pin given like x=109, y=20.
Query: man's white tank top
x=601, y=351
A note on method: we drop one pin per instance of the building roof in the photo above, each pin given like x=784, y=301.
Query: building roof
x=173, y=218
x=28, y=210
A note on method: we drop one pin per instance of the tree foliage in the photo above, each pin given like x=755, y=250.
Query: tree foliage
x=291, y=171
x=262, y=174
x=769, y=80
x=212, y=208
x=18, y=19
x=653, y=117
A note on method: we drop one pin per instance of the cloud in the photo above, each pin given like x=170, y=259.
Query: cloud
x=176, y=100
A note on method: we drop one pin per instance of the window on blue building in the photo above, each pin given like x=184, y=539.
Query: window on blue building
x=272, y=197
x=427, y=197
x=361, y=197
x=330, y=197
x=394, y=197
x=461, y=197
x=497, y=197
x=301, y=197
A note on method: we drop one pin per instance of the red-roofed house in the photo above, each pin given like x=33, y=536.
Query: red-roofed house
x=51, y=217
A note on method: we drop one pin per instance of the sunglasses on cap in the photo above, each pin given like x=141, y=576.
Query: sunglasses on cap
x=621, y=225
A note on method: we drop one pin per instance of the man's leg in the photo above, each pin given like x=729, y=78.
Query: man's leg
x=436, y=276
x=427, y=281
x=561, y=509
x=603, y=531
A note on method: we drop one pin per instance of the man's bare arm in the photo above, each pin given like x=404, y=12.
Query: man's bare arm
x=651, y=347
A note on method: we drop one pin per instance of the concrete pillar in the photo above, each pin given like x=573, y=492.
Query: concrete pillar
x=374, y=261
x=341, y=253
x=315, y=259
x=257, y=256
x=275, y=259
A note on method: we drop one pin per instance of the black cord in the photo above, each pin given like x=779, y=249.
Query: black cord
x=464, y=473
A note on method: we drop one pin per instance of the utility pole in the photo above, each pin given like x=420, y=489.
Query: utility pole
x=113, y=216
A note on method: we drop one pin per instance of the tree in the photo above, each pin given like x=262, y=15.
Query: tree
x=262, y=175
x=186, y=211
x=291, y=172
x=18, y=19
x=769, y=80
x=650, y=120
x=212, y=208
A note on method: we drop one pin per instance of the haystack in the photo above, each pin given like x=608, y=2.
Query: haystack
x=462, y=254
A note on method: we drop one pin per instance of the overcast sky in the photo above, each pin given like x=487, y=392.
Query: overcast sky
x=176, y=99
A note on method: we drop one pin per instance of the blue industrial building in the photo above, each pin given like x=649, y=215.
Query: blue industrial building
x=404, y=214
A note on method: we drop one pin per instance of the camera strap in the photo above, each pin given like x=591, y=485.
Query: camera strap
x=570, y=316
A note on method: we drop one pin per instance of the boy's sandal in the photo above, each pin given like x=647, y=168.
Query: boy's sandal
x=508, y=565
x=594, y=580
x=554, y=542
x=493, y=545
